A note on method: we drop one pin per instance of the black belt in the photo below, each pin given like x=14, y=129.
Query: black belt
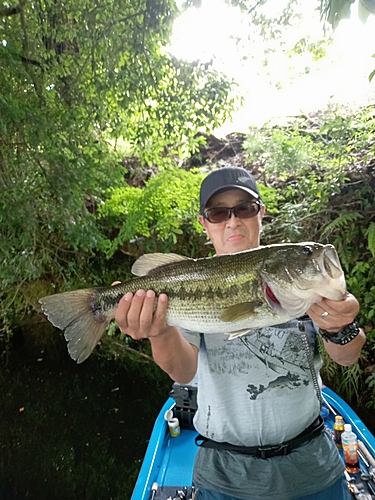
x=267, y=451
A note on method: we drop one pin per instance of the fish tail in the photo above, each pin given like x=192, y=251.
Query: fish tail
x=79, y=314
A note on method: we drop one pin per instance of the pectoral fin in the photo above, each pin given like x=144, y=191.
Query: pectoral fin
x=239, y=312
x=234, y=335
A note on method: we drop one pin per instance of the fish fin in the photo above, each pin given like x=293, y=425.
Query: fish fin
x=151, y=261
x=234, y=335
x=239, y=312
x=76, y=313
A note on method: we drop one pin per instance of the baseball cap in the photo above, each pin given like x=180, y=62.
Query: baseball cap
x=227, y=178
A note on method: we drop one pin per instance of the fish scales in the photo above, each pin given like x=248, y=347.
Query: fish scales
x=226, y=294
x=199, y=290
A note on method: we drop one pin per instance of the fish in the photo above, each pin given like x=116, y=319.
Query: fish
x=231, y=293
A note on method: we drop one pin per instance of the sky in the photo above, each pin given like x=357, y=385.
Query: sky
x=285, y=87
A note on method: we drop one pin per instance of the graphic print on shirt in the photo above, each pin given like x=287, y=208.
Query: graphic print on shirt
x=275, y=357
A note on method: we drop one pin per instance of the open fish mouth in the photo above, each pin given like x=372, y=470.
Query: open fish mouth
x=272, y=299
x=325, y=267
x=331, y=263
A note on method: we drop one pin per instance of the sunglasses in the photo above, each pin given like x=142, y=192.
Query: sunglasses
x=245, y=210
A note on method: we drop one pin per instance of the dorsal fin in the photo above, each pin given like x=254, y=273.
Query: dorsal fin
x=151, y=261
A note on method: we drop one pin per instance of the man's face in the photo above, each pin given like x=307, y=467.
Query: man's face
x=233, y=235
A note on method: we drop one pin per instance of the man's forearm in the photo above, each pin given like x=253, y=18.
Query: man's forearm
x=348, y=354
x=173, y=353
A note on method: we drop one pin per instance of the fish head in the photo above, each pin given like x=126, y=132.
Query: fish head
x=295, y=276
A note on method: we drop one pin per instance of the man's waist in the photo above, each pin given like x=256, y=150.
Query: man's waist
x=267, y=451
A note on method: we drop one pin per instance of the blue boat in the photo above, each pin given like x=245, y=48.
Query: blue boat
x=167, y=468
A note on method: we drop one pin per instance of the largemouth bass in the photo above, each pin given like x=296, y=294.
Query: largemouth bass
x=231, y=293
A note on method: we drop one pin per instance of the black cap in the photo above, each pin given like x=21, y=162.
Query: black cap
x=227, y=178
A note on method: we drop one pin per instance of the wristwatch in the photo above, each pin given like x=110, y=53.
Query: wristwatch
x=341, y=338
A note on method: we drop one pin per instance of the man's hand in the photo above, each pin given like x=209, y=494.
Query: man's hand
x=136, y=314
x=141, y=317
x=340, y=313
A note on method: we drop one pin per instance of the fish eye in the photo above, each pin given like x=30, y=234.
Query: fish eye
x=307, y=250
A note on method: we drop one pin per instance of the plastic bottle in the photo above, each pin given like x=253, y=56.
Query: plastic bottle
x=338, y=429
x=350, y=448
x=173, y=423
x=174, y=427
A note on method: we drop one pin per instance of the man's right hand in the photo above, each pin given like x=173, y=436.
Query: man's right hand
x=137, y=317
x=143, y=316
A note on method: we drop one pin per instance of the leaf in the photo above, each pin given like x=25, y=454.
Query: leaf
x=338, y=10
x=341, y=221
x=370, y=233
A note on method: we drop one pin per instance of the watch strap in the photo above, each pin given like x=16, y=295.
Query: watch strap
x=343, y=337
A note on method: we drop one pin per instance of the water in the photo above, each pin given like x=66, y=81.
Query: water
x=72, y=431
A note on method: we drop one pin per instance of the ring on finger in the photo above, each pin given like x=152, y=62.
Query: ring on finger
x=324, y=315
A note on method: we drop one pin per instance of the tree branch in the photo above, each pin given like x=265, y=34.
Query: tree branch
x=27, y=60
x=10, y=11
x=133, y=351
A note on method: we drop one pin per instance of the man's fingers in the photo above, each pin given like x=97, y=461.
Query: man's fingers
x=147, y=311
x=161, y=309
x=329, y=314
x=137, y=315
x=135, y=309
x=121, y=313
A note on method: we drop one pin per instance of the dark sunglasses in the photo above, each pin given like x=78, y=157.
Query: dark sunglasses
x=245, y=210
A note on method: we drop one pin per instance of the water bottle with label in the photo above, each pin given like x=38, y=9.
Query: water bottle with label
x=350, y=448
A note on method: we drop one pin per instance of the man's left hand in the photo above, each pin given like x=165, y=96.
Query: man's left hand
x=340, y=313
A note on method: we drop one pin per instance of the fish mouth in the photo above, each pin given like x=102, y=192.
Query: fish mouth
x=326, y=264
x=272, y=299
x=331, y=262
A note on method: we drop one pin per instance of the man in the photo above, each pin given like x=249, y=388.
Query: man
x=257, y=391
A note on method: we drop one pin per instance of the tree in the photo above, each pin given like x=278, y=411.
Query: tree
x=75, y=78
x=270, y=24
x=335, y=11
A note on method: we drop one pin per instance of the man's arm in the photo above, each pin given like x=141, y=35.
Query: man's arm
x=340, y=314
x=136, y=317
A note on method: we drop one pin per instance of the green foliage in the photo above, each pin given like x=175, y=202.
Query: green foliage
x=280, y=152
x=372, y=74
x=335, y=11
x=77, y=78
x=316, y=49
x=185, y=98
x=270, y=197
x=160, y=217
x=341, y=222
x=370, y=233
x=370, y=382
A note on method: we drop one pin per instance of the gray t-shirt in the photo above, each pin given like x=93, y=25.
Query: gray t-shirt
x=254, y=391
